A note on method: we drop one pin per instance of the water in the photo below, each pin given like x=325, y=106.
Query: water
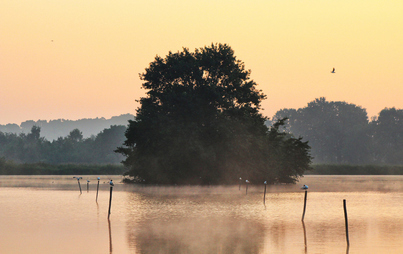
x=47, y=214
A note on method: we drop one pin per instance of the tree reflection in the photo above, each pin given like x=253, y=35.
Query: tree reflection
x=196, y=235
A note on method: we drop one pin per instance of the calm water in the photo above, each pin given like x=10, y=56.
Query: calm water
x=47, y=214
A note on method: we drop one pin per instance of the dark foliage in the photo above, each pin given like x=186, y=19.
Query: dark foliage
x=340, y=133
x=200, y=124
x=346, y=169
x=53, y=129
x=73, y=149
x=40, y=168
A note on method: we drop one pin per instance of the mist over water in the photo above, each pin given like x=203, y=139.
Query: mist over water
x=49, y=215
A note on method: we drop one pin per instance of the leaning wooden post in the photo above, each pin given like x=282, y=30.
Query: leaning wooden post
x=78, y=180
x=346, y=221
x=110, y=198
x=96, y=199
x=264, y=195
x=303, y=213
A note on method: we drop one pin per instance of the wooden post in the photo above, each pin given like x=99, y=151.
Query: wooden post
x=264, y=195
x=88, y=186
x=96, y=199
x=110, y=201
x=240, y=182
x=303, y=213
x=346, y=221
x=78, y=181
x=247, y=183
x=79, y=185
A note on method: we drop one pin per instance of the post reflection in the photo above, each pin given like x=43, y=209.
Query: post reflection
x=110, y=237
x=306, y=246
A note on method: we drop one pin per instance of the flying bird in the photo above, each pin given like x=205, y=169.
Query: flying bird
x=305, y=187
x=333, y=71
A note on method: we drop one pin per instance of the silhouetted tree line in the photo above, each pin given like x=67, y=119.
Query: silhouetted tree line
x=72, y=149
x=53, y=129
x=340, y=132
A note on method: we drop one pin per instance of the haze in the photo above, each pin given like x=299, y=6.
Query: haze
x=81, y=59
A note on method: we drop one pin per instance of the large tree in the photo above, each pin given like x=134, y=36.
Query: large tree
x=200, y=123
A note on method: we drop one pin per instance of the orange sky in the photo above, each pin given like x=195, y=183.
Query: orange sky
x=76, y=59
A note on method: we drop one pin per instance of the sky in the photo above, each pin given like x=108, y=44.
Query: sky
x=74, y=59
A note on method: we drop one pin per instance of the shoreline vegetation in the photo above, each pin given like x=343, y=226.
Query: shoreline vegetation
x=347, y=169
x=12, y=168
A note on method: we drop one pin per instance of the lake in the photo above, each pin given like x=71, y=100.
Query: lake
x=47, y=214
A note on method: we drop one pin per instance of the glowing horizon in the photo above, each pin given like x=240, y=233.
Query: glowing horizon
x=81, y=59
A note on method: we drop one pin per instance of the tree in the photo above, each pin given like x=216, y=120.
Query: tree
x=199, y=123
x=106, y=142
x=387, y=133
x=33, y=145
x=337, y=131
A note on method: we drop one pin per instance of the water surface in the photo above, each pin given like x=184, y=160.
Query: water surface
x=47, y=214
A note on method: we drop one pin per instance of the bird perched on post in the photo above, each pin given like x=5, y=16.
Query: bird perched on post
x=111, y=183
x=305, y=187
x=333, y=71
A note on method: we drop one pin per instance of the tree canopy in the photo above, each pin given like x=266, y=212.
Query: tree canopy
x=340, y=132
x=32, y=148
x=200, y=124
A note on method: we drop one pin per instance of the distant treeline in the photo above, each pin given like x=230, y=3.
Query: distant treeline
x=332, y=169
x=341, y=133
x=72, y=149
x=54, y=129
x=11, y=168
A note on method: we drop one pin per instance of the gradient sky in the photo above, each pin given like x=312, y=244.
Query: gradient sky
x=76, y=59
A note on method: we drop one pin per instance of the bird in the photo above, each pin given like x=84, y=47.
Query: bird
x=265, y=182
x=98, y=178
x=333, y=71
x=111, y=183
x=305, y=187
x=247, y=181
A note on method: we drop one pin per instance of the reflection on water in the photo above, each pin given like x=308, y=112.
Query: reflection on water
x=305, y=243
x=110, y=236
x=45, y=214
